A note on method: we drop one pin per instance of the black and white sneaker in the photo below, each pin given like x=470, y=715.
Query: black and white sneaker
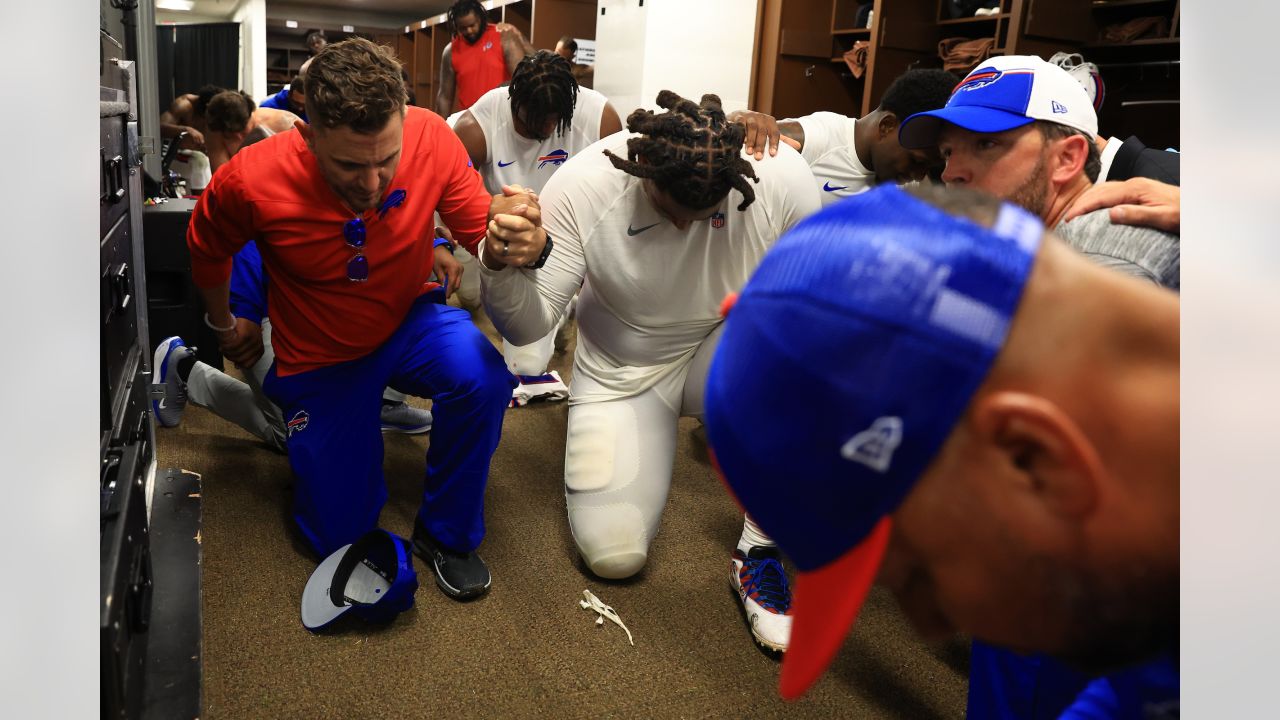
x=461, y=576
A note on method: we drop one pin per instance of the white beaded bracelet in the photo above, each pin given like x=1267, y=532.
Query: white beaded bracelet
x=215, y=328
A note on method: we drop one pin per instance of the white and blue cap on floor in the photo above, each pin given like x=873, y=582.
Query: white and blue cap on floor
x=372, y=577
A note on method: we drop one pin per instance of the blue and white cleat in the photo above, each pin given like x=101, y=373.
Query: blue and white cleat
x=761, y=584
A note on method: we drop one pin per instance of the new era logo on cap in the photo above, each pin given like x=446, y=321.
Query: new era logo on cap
x=1002, y=94
x=874, y=446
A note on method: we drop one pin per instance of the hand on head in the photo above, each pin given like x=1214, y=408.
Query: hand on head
x=762, y=132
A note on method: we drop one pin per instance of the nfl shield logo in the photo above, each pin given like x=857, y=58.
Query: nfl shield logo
x=717, y=220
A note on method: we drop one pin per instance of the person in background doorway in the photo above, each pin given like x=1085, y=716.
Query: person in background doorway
x=567, y=48
x=479, y=58
x=315, y=42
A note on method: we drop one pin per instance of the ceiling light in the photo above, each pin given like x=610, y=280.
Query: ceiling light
x=178, y=5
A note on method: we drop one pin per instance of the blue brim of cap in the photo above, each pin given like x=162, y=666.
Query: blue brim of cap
x=921, y=130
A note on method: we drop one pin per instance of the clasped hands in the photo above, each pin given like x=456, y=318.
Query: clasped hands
x=515, y=236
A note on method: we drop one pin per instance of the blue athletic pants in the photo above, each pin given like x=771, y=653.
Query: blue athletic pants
x=332, y=417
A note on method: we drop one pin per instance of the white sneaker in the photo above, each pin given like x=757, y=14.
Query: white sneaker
x=404, y=418
x=762, y=587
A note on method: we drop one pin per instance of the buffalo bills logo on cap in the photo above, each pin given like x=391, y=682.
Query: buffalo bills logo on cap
x=555, y=157
x=979, y=79
x=717, y=220
x=298, y=422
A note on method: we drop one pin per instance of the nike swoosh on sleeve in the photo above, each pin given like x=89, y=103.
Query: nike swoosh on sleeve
x=827, y=186
x=502, y=164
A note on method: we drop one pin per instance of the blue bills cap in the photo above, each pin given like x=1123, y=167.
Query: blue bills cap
x=870, y=324
x=372, y=577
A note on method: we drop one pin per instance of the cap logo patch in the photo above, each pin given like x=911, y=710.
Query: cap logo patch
x=1059, y=108
x=979, y=79
x=874, y=446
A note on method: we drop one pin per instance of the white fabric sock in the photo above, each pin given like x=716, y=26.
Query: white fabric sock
x=752, y=536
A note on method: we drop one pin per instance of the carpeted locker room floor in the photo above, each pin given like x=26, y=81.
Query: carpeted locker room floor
x=526, y=649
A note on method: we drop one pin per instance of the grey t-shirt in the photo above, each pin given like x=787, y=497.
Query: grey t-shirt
x=1141, y=252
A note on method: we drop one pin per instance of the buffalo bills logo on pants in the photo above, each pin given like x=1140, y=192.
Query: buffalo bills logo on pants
x=298, y=422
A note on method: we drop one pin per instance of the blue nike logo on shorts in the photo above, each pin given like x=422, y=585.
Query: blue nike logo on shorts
x=827, y=186
x=502, y=164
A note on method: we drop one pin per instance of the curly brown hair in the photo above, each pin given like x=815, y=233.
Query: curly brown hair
x=354, y=83
x=690, y=151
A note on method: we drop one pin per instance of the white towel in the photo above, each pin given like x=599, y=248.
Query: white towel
x=539, y=388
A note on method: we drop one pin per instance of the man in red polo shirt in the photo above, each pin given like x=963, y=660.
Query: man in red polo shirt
x=342, y=213
x=480, y=58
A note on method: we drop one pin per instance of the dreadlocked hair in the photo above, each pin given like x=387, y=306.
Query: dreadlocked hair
x=543, y=86
x=691, y=152
x=463, y=8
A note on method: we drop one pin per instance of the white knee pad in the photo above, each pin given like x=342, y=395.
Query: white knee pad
x=611, y=539
x=615, y=497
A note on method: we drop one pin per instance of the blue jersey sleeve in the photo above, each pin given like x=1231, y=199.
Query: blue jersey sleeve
x=279, y=101
x=248, y=284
